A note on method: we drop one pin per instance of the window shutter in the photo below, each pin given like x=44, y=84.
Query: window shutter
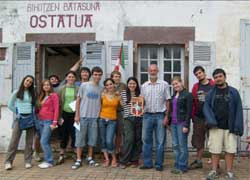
x=201, y=53
x=94, y=55
x=5, y=72
x=24, y=62
x=113, y=49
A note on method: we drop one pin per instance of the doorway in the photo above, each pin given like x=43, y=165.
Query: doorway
x=58, y=59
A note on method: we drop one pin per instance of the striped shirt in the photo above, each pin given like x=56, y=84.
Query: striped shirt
x=155, y=96
x=126, y=106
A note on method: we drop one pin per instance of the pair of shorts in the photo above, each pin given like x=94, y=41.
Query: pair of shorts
x=221, y=140
x=88, y=132
x=199, y=133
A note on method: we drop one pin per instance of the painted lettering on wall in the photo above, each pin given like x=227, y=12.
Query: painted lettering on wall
x=70, y=14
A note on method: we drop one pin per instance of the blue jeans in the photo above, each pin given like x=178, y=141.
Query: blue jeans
x=180, y=147
x=45, y=132
x=107, y=130
x=152, y=123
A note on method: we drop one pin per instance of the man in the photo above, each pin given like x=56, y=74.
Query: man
x=156, y=96
x=88, y=104
x=224, y=115
x=116, y=76
x=199, y=92
x=119, y=86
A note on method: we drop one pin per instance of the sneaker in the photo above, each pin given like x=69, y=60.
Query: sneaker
x=28, y=165
x=145, y=167
x=76, y=165
x=92, y=162
x=212, y=175
x=45, y=165
x=8, y=166
x=177, y=171
x=195, y=165
x=123, y=166
x=60, y=159
x=36, y=156
x=229, y=176
x=159, y=168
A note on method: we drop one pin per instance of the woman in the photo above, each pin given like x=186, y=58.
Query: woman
x=119, y=86
x=180, y=113
x=22, y=101
x=48, y=106
x=132, y=130
x=67, y=94
x=107, y=125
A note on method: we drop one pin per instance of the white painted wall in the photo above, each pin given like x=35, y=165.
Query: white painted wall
x=213, y=21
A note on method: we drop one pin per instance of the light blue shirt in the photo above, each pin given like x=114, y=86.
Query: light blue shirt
x=24, y=106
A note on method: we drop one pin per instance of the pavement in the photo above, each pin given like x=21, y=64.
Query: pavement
x=86, y=172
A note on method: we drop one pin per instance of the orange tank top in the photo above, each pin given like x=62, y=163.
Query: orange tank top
x=109, y=107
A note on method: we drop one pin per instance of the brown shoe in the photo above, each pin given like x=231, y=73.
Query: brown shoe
x=134, y=164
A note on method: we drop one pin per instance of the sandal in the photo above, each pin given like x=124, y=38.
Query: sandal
x=92, y=162
x=114, y=164
x=76, y=165
x=106, y=163
x=60, y=159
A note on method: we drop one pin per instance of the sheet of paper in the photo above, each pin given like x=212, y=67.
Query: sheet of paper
x=72, y=105
x=77, y=126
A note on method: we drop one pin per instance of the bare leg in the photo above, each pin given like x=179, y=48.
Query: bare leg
x=114, y=160
x=229, y=157
x=62, y=151
x=200, y=153
x=106, y=156
x=215, y=161
x=90, y=151
x=79, y=153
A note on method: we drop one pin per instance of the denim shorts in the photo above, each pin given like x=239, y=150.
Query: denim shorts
x=88, y=132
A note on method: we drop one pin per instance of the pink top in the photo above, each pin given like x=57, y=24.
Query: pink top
x=50, y=109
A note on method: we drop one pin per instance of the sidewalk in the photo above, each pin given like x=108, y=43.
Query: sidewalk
x=64, y=172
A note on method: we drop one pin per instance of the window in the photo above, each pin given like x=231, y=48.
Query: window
x=148, y=55
x=3, y=54
x=170, y=60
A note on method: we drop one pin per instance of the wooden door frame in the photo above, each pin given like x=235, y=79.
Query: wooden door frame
x=43, y=39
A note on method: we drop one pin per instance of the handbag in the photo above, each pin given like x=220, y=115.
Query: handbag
x=25, y=122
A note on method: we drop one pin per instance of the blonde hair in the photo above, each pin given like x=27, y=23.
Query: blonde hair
x=177, y=78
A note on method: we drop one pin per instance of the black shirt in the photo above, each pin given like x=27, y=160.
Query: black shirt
x=221, y=107
x=201, y=94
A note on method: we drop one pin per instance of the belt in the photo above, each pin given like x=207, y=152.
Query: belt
x=151, y=113
x=25, y=114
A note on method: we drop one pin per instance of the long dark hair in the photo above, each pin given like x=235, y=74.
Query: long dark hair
x=137, y=89
x=31, y=90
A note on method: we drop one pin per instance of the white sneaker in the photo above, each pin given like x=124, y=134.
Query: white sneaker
x=36, y=156
x=45, y=165
x=8, y=166
x=28, y=165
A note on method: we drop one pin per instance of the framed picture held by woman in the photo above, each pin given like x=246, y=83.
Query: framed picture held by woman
x=137, y=106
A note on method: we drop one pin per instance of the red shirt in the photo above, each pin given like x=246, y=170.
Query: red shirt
x=195, y=97
x=50, y=109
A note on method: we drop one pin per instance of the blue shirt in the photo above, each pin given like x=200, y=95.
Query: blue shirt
x=23, y=106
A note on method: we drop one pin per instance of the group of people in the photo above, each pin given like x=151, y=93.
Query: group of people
x=105, y=111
